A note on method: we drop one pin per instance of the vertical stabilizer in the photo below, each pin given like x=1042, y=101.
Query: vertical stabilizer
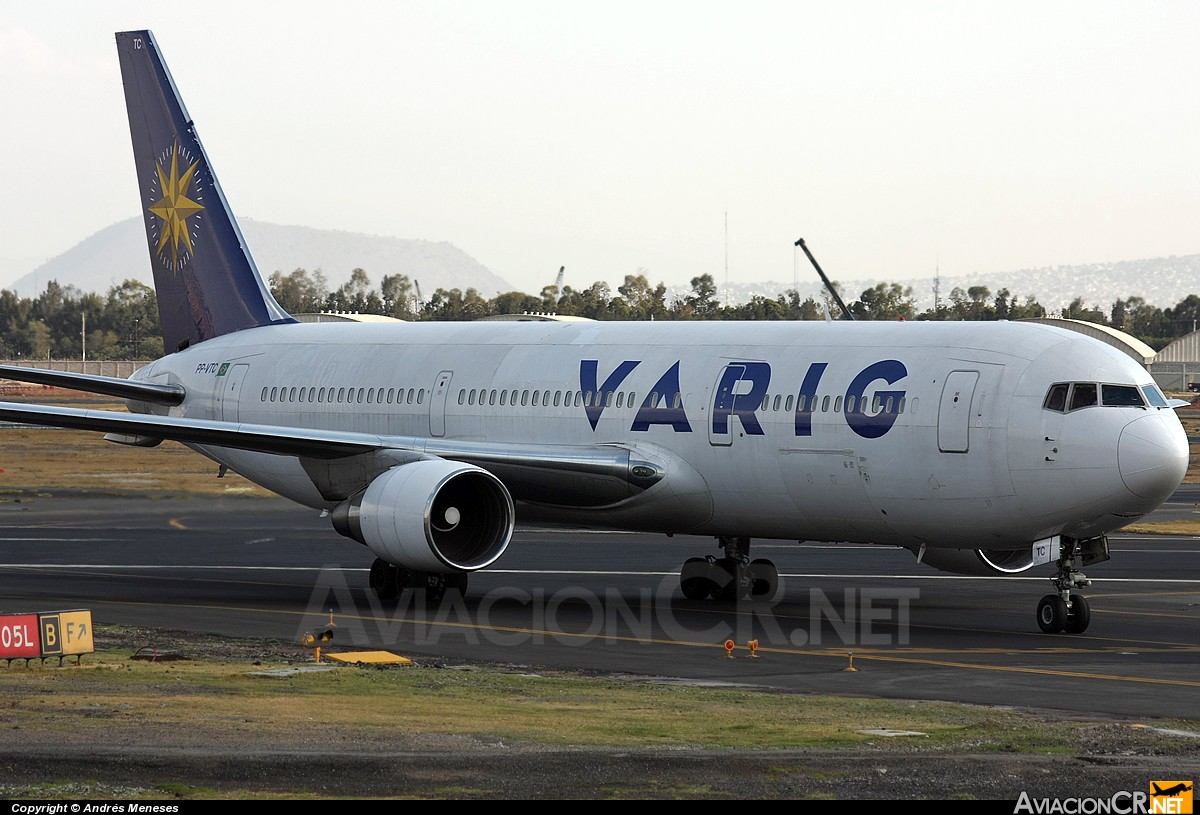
x=206, y=281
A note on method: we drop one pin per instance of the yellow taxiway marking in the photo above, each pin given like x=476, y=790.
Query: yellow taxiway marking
x=175, y=523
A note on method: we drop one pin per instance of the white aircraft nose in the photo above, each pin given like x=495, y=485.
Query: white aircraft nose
x=1153, y=455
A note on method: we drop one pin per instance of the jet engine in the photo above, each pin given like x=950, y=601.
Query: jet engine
x=979, y=562
x=432, y=515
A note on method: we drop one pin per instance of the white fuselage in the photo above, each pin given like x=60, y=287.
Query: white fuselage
x=898, y=433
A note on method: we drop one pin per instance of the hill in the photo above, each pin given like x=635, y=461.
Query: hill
x=118, y=253
x=1161, y=282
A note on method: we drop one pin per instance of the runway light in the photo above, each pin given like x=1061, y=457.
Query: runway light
x=753, y=646
x=850, y=667
x=729, y=645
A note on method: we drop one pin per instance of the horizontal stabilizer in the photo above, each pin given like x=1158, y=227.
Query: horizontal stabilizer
x=91, y=383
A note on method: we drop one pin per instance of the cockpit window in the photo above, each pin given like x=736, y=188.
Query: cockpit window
x=1083, y=395
x=1065, y=396
x=1121, y=396
x=1056, y=399
x=1154, y=396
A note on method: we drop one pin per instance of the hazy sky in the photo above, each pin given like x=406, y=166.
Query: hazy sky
x=611, y=137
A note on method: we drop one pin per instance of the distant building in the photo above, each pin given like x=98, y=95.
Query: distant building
x=1177, y=367
x=344, y=317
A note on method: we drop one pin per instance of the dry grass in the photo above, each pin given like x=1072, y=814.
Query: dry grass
x=45, y=461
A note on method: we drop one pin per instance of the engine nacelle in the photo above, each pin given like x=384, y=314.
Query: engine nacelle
x=431, y=516
x=980, y=562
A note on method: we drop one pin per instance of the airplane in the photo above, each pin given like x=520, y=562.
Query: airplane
x=982, y=448
x=1170, y=791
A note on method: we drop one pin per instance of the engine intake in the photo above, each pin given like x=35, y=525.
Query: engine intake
x=979, y=562
x=433, y=516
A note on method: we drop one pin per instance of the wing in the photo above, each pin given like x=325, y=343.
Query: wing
x=341, y=462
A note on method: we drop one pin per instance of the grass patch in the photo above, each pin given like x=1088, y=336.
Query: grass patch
x=204, y=702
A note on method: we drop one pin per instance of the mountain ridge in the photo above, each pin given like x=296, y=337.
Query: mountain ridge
x=118, y=253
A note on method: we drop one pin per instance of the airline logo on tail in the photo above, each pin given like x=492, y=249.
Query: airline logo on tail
x=174, y=205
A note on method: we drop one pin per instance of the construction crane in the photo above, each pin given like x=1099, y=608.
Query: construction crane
x=420, y=299
x=558, y=280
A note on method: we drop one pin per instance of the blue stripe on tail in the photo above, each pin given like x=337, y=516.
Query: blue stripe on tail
x=206, y=281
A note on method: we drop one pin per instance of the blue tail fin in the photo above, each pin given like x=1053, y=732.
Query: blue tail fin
x=206, y=281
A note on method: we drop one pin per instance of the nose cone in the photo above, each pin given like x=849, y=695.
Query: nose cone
x=1153, y=455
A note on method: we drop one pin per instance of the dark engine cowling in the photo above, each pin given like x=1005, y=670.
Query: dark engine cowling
x=431, y=516
x=979, y=562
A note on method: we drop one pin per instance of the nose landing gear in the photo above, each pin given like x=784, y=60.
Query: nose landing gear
x=1066, y=610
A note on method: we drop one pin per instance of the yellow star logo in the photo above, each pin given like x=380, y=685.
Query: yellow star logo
x=174, y=208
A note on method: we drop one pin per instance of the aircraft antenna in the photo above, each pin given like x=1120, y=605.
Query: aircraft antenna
x=837, y=299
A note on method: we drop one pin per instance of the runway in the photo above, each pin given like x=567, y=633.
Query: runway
x=610, y=602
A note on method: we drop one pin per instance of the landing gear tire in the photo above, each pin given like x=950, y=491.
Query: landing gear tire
x=764, y=579
x=694, y=579
x=384, y=580
x=1079, y=615
x=1052, y=614
x=389, y=582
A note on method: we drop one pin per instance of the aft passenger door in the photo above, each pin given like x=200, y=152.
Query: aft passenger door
x=229, y=392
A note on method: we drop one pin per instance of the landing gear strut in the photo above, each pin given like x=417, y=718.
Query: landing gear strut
x=1066, y=610
x=730, y=577
x=389, y=582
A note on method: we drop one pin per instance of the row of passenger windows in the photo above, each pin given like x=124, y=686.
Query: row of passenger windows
x=621, y=399
x=1065, y=396
x=367, y=396
x=525, y=398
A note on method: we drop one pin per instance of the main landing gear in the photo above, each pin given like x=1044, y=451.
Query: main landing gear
x=730, y=577
x=389, y=582
x=1067, y=610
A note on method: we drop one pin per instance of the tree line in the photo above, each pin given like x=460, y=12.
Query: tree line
x=64, y=323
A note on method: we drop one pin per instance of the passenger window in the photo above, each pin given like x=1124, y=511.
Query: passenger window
x=1121, y=396
x=775, y=404
x=620, y=398
x=787, y=406
x=887, y=406
x=900, y=407
x=462, y=397
x=503, y=398
x=837, y=405
x=264, y=394
x=492, y=398
x=825, y=405
x=875, y=405
x=1056, y=397
x=420, y=396
x=1083, y=395
x=851, y=401
x=370, y=395
x=391, y=395
x=800, y=402
x=632, y=398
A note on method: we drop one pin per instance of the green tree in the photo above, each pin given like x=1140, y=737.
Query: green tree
x=886, y=301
